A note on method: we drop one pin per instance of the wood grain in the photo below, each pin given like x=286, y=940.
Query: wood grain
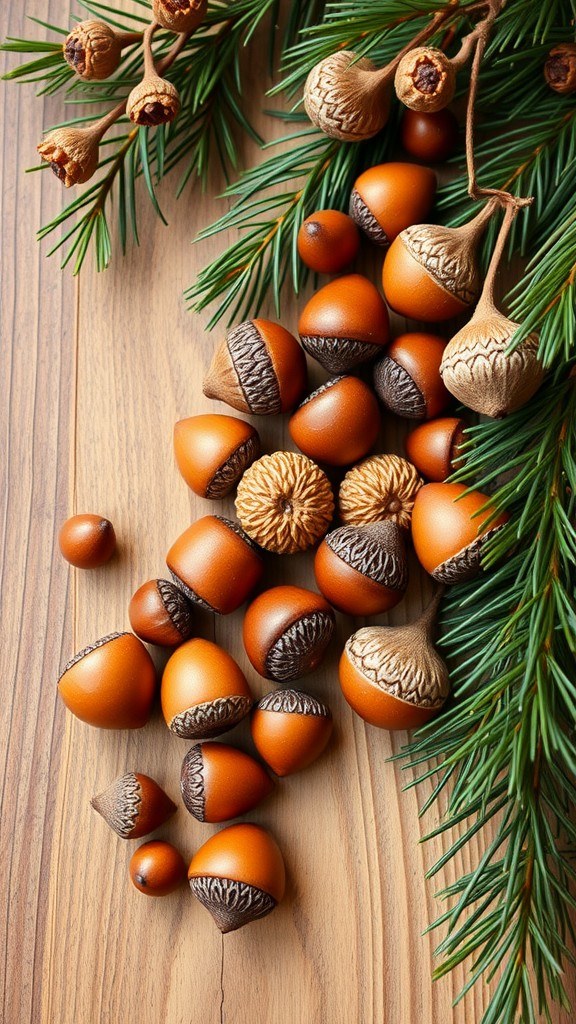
x=95, y=376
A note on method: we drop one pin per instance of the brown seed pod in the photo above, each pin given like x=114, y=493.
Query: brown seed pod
x=434, y=447
x=407, y=378
x=560, y=68
x=380, y=487
x=160, y=614
x=153, y=101
x=345, y=323
x=425, y=79
x=93, y=50
x=87, y=541
x=286, y=632
x=212, y=452
x=284, y=502
x=179, y=15
x=259, y=368
x=134, y=805
x=220, y=782
x=72, y=153
x=110, y=684
x=328, y=241
x=290, y=730
x=347, y=97
x=362, y=570
x=338, y=423
x=157, y=868
x=204, y=692
x=389, y=197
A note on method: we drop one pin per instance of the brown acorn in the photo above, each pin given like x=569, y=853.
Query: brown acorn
x=157, y=868
x=134, y=805
x=160, y=614
x=362, y=570
x=435, y=447
x=345, y=323
x=560, y=68
x=204, y=692
x=425, y=79
x=212, y=452
x=407, y=379
x=286, y=632
x=220, y=782
x=93, y=49
x=338, y=423
x=290, y=730
x=389, y=197
x=347, y=97
x=179, y=15
x=111, y=683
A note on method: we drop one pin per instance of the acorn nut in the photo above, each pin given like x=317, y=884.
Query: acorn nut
x=362, y=570
x=328, y=241
x=434, y=447
x=345, y=323
x=220, y=782
x=110, y=684
x=286, y=632
x=212, y=452
x=87, y=541
x=160, y=614
x=390, y=197
x=380, y=487
x=203, y=692
x=134, y=805
x=157, y=868
x=338, y=423
x=290, y=730
x=431, y=136
x=407, y=379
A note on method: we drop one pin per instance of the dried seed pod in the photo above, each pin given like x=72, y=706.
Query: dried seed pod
x=449, y=529
x=407, y=378
x=220, y=782
x=362, y=570
x=212, y=452
x=204, y=692
x=157, y=868
x=93, y=50
x=328, y=241
x=111, y=683
x=215, y=564
x=380, y=487
x=72, y=153
x=134, y=805
x=87, y=541
x=347, y=97
x=179, y=15
x=393, y=677
x=238, y=875
x=345, y=323
x=560, y=68
x=259, y=368
x=338, y=423
x=284, y=502
x=286, y=632
x=432, y=137
x=434, y=447
x=425, y=79
x=290, y=730
x=389, y=197
x=152, y=102
x=160, y=614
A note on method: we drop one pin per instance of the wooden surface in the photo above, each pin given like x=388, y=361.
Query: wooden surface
x=94, y=375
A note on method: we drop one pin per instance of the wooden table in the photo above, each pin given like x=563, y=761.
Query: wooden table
x=95, y=372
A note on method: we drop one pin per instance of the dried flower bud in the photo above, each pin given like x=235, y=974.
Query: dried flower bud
x=560, y=68
x=72, y=153
x=179, y=15
x=93, y=50
x=152, y=102
x=425, y=79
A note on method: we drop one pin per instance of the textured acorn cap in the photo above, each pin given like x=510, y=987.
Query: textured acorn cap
x=375, y=550
x=343, y=98
x=380, y=487
x=134, y=805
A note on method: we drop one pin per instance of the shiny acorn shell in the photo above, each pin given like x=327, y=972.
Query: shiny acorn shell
x=212, y=451
x=338, y=423
x=429, y=136
x=362, y=570
x=407, y=378
x=290, y=730
x=87, y=541
x=220, y=782
x=157, y=868
x=160, y=614
x=110, y=684
x=447, y=539
x=203, y=692
x=411, y=289
x=387, y=198
x=215, y=564
x=134, y=805
x=238, y=875
x=344, y=323
x=328, y=241
x=433, y=447
x=286, y=632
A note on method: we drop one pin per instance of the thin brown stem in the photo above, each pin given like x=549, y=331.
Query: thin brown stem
x=149, y=67
x=127, y=38
x=510, y=212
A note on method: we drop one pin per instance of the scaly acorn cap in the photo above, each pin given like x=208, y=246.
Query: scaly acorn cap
x=347, y=97
x=153, y=101
x=134, y=805
x=72, y=153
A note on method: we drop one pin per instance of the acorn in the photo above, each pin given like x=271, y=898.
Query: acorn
x=328, y=241
x=259, y=368
x=286, y=632
x=345, y=323
x=238, y=875
x=560, y=68
x=425, y=79
x=160, y=614
x=432, y=137
x=203, y=692
x=450, y=525
x=407, y=378
x=87, y=541
x=347, y=97
x=435, y=447
x=179, y=15
x=290, y=730
x=220, y=782
x=212, y=452
x=338, y=423
x=380, y=487
x=134, y=805
x=216, y=564
x=393, y=677
x=387, y=198
x=154, y=100
x=157, y=868
x=110, y=684
x=362, y=570
x=93, y=49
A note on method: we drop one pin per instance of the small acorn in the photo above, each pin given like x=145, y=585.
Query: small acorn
x=560, y=68
x=347, y=97
x=259, y=368
x=290, y=730
x=157, y=868
x=362, y=570
x=134, y=805
x=450, y=528
x=212, y=452
x=179, y=15
x=380, y=487
x=238, y=875
x=286, y=632
x=220, y=782
x=216, y=564
x=389, y=197
x=328, y=241
x=87, y=541
x=204, y=692
x=72, y=152
x=345, y=323
x=338, y=423
x=434, y=447
x=431, y=137
x=110, y=684
x=160, y=614
x=93, y=49
x=407, y=378
x=425, y=79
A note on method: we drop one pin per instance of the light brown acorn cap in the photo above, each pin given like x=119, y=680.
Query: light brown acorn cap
x=231, y=903
x=293, y=702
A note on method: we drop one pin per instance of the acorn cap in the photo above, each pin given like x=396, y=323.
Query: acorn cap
x=380, y=487
x=134, y=805
x=344, y=323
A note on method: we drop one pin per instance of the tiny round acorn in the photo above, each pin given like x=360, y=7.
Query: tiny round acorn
x=362, y=570
x=290, y=730
x=431, y=137
x=286, y=632
x=203, y=691
x=434, y=447
x=238, y=875
x=338, y=423
x=157, y=868
x=110, y=684
x=134, y=805
x=328, y=241
x=220, y=782
x=160, y=614
x=212, y=451
x=449, y=530
x=345, y=323
x=387, y=198
x=87, y=541
x=407, y=379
